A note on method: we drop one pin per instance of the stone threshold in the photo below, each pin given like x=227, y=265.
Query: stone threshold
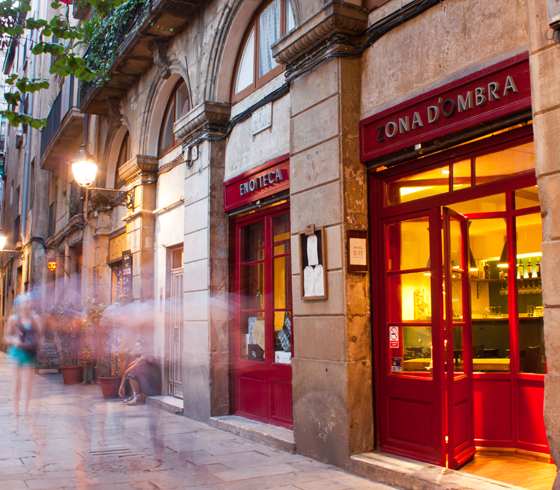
x=271, y=435
x=165, y=402
x=414, y=475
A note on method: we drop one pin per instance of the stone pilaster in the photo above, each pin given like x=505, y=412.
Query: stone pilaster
x=206, y=336
x=140, y=176
x=332, y=366
x=545, y=73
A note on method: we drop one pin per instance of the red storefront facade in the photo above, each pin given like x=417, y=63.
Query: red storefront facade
x=461, y=352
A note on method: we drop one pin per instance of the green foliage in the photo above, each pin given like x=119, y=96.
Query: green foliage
x=59, y=38
x=105, y=33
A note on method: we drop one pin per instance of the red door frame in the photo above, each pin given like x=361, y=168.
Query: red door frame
x=460, y=406
x=491, y=144
x=271, y=373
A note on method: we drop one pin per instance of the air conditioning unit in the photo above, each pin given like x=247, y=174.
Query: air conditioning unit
x=19, y=139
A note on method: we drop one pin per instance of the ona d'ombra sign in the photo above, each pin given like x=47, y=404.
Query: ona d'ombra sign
x=495, y=92
x=263, y=181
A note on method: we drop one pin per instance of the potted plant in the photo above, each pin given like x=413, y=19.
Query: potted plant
x=106, y=365
x=68, y=320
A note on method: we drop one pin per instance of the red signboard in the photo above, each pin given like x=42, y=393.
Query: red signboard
x=494, y=92
x=261, y=182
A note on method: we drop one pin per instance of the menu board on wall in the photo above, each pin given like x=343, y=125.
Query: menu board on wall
x=313, y=263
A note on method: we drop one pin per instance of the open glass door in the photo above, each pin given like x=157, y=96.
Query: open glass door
x=458, y=340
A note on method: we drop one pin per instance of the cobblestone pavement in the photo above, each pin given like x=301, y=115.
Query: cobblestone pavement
x=72, y=438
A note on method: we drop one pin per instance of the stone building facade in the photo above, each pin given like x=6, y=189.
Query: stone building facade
x=230, y=156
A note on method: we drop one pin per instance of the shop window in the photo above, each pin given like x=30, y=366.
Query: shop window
x=124, y=156
x=460, y=175
x=496, y=166
x=527, y=197
x=177, y=106
x=255, y=65
x=116, y=282
x=529, y=294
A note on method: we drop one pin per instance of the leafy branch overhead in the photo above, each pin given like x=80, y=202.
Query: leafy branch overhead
x=66, y=41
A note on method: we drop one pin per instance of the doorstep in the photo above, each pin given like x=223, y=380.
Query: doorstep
x=271, y=435
x=414, y=475
x=165, y=402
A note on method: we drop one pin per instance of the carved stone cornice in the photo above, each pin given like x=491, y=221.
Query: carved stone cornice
x=337, y=17
x=139, y=168
x=208, y=118
x=159, y=51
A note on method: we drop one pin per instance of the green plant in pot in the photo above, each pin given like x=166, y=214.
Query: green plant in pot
x=106, y=365
x=67, y=320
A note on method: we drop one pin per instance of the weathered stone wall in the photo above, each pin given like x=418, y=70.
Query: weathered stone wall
x=437, y=46
x=332, y=388
x=545, y=72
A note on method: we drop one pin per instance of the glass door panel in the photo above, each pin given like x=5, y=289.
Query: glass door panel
x=457, y=347
x=408, y=245
x=282, y=290
x=532, y=357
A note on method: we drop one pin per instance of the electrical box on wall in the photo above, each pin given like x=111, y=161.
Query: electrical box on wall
x=554, y=14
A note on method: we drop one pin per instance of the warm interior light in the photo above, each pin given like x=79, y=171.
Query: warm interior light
x=503, y=262
x=84, y=168
x=3, y=239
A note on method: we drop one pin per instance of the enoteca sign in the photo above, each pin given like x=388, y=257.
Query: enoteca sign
x=263, y=181
x=487, y=95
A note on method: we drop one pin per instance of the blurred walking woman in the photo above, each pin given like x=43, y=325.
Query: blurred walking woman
x=23, y=335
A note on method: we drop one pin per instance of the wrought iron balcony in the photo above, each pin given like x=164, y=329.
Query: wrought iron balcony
x=64, y=124
x=138, y=39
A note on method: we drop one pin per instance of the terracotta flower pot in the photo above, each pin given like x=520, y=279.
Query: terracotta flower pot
x=110, y=386
x=71, y=374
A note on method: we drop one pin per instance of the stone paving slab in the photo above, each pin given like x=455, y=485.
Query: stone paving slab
x=74, y=439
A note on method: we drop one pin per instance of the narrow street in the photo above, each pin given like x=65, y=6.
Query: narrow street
x=73, y=438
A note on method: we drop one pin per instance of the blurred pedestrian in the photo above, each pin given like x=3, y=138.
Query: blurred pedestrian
x=23, y=333
x=143, y=375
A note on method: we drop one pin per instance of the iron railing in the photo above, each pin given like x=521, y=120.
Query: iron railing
x=136, y=18
x=62, y=104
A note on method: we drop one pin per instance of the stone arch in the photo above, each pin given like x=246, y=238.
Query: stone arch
x=113, y=154
x=155, y=106
x=226, y=47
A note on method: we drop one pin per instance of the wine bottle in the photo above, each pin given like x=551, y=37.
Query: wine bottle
x=521, y=270
x=538, y=268
x=529, y=269
x=486, y=270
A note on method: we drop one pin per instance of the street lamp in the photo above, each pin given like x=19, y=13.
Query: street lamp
x=84, y=169
x=3, y=239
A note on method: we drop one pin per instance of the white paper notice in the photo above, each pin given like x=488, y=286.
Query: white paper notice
x=318, y=283
x=258, y=333
x=312, y=254
x=308, y=281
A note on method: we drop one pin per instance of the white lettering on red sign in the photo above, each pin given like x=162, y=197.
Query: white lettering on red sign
x=394, y=337
x=260, y=182
x=447, y=107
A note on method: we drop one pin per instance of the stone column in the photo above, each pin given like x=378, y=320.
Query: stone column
x=545, y=91
x=140, y=176
x=332, y=365
x=205, y=268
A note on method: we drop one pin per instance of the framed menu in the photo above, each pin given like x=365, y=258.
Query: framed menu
x=357, y=250
x=312, y=254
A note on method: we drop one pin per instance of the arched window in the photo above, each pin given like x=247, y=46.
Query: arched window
x=124, y=156
x=177, y=106
x=255, y=64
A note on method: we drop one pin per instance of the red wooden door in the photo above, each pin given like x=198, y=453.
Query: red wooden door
x=457, y=341
x=262, y=335
x=412, y=400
